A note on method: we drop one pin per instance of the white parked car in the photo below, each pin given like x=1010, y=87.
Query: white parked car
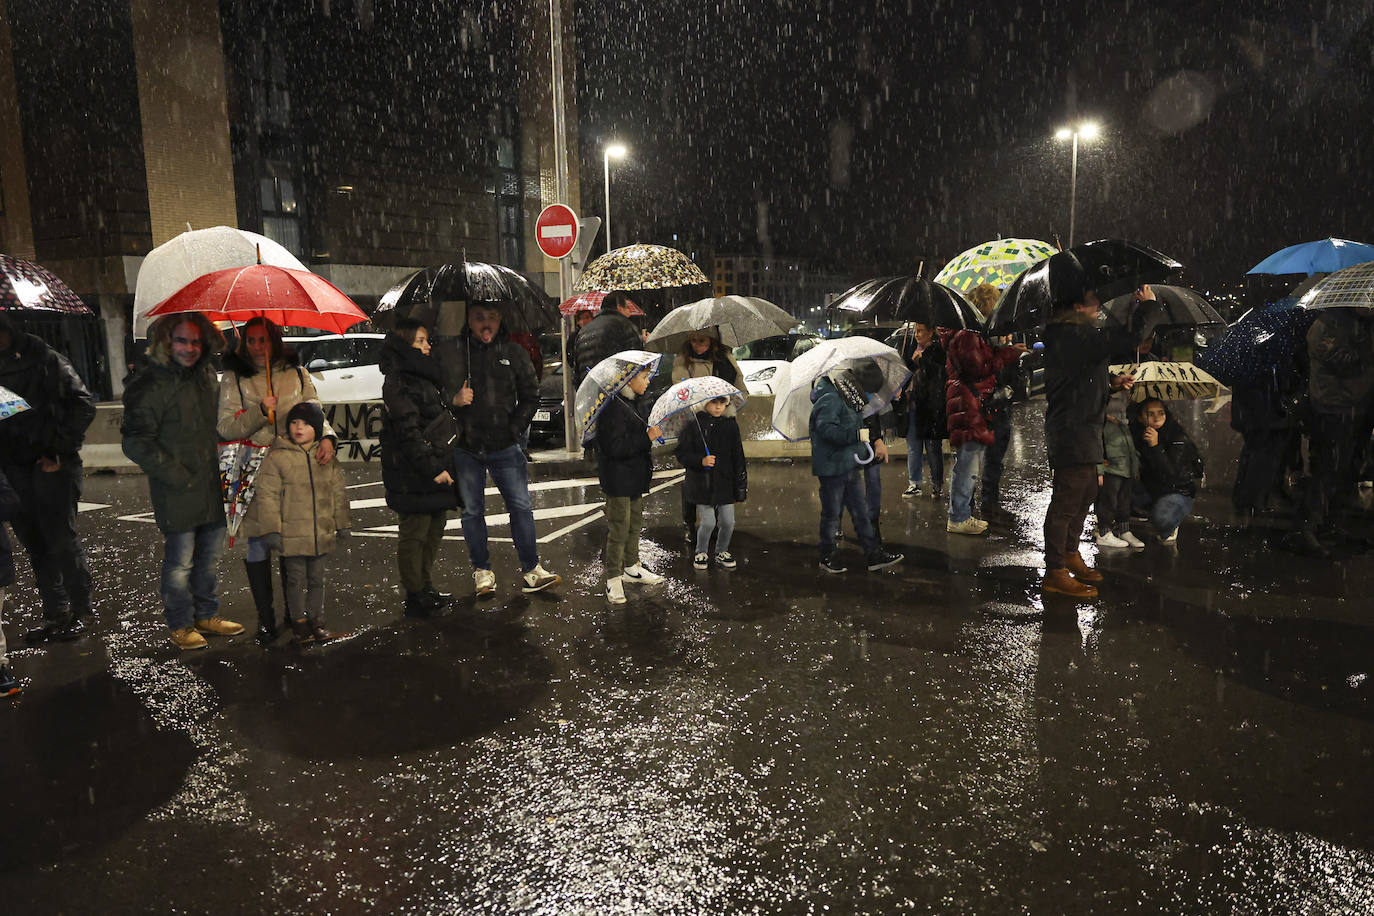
x=343, y=366
x=760, y=360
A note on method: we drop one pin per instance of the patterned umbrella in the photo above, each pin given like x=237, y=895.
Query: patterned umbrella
x=1352, y=287
x=602, y=383
x=674, y=408
x=26, y=286
x=1259, y=340
x=640, y=267
x=239, y=463
x=1323, y=256
x=997, y=262
x=10, y=403
x=426, y=293
x=1169, y=381
x=591, y=302
x=737, y=320
x=285, y=297
x=792, y=385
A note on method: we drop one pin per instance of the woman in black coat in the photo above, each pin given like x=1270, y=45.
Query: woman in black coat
x=417, y=460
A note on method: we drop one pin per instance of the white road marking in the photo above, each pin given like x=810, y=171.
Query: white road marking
x=91, y=507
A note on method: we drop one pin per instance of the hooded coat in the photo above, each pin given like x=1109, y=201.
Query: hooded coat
x=300, y=499
x=926, y=393
x=410, y=459
x=1077, y=385
x=728, y=481
x=242, y=388
x=971, y=368
x=60, y=406
x=1173, y=465
x=505, y=391
x=1340, y=349
x=605, y=335
x=625, y=463
x=834, y=428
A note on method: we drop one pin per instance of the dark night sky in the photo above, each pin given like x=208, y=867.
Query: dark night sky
x=881, y=133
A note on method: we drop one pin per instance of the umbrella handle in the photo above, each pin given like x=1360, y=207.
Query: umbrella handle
x=271, y=414
x=869, y=457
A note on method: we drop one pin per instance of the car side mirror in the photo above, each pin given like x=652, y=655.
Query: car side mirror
x=317, y=365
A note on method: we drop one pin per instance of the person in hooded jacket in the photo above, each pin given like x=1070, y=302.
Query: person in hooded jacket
x=40, y=454
x=417, y=461
x=971, y=367
x=712, y=450
x=488, y=381
x=624, y=440
x=1116, y=476
x=609, y=333
x=839, y=442
x=1170, y=467
x=254, y=409
x=925, y=405
x=703, y=355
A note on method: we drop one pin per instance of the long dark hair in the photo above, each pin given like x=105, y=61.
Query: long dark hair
x=713, y=352
x=278, y=348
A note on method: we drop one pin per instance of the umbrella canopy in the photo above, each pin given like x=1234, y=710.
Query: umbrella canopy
x=10, y=403
x=239, y=464
x=172, y=265
x=281, y=295
x=591, y=302
x=1260, y=340
x=24, y=286
x=606, y=378
x=675, y=407
x=1350, y=288
x=1111, y=267
x=907, y=299
x=736, y=319
x=1168, y=381
x=640, y=267
x=1323, y=256
x=439, y=296
x=998, y=262
x=1181, y=306
x=792, y=385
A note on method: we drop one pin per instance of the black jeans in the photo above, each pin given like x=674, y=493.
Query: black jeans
x=1333, y=450
x=46, y=526
x=993, y=459
x=1260, y=467
x=1071, y=496
x=1113, y=506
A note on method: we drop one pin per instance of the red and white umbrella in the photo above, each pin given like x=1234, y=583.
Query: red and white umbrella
x=284, y=296
x=591, y=302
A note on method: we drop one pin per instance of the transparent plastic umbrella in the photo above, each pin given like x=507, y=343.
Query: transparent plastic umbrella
x=739, y=320
x=676, y=407
x=792, y=385
x=605, y=379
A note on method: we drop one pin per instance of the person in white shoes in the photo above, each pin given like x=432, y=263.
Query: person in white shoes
x=624, y=443
x=1114, y=478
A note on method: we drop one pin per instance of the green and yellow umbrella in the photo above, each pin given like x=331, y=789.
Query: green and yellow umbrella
x=998, y=262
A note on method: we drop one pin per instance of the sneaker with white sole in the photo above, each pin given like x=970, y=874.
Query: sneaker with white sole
x=485, y=581
x=912, y=489
x=615, y=591
x=726, y=560
x=832, y=565
x=538, y=579
x=638, y=575
x=1171, y=538
x=1111, y=540
x=1131, y=539
x=701, y=561
x=969, y=525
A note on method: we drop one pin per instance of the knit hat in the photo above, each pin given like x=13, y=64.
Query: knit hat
x=311, y=413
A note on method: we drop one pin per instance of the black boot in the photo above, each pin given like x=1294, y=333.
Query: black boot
x=286, y=622
x=425, y=604
x=260, y=585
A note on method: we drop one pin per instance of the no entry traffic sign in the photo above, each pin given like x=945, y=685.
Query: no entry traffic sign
x=556, y=231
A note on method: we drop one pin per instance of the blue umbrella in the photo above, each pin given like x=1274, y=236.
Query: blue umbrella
x=1260, y=339
x=1320, y=257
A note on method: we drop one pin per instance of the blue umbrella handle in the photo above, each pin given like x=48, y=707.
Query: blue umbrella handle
x=869, y=457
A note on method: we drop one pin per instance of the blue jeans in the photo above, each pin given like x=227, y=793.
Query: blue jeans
x=1169, y=511
x=190, y=574
x=965, y=479
x=510, y=473
x=873, y=495
x=721, y=520
x=993, y=461
x=257, y=551
x=845, y=491
x=934, y=456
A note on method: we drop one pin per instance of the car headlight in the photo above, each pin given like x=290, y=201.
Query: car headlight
x=762, y=375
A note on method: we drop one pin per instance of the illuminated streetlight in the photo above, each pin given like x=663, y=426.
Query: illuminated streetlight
x=1087, y=130
x=617, y=151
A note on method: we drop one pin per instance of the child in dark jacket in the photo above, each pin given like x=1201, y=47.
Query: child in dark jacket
x=1170, y=467
x=1115, y=478
x=625, y=467
x=711, y=450
x=9, y=507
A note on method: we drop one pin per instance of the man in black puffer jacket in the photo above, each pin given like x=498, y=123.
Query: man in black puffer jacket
x=489, y=382
x=40, y=455
x=609, y=333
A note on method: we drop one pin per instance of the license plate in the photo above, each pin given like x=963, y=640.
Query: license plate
x=543, y=416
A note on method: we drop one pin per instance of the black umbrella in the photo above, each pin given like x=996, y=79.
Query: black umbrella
x=1110, y=267
x=425, y=294
x=24, y=286
x=1179, y=306
x=907, y=299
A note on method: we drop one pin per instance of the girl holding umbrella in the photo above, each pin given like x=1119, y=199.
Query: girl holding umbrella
x=262, y=381
x=703, y=354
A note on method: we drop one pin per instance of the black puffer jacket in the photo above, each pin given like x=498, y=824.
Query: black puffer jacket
x=61, y=408
x=728, y=481
x=1173, y=465
x=410, y=461
x=1340, y=349
x=1077, y=385
x=605, y=335
x=926, y=396
x=622, y=441
x=505, y=391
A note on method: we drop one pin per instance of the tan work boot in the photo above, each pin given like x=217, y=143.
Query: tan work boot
x=218, y=626
x=1081, y=571
x=188, y=638
x=1059, y=582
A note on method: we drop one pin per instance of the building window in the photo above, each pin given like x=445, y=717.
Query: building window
x=509, y=221
x=281, y=218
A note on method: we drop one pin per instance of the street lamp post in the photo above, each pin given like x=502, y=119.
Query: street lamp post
x=1087, y=130
x=616, y=150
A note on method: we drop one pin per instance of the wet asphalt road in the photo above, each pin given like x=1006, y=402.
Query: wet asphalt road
x=770, y=739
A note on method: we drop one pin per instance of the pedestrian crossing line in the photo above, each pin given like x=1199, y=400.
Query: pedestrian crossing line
x=91, y=507
x=567, y=483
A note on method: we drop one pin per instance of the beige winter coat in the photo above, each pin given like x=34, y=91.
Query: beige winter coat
x=300, y=499
x=240, y=402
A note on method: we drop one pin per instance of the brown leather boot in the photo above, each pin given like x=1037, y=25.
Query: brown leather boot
x=1081, y=571
x=1059, y=582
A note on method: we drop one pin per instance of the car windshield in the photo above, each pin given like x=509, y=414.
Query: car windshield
x=786, y=347
x=339, y=352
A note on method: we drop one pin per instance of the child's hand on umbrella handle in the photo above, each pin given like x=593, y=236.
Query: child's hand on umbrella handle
x=655, y=433
x=709, y=461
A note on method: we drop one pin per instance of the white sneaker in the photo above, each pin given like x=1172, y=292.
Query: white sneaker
x=701, y=561
x=1111, y=540
x=912, y=489
x=485, y=580
x=640, y=576
x=538, y=579
x=615, y=591
x=1171, y=538
x=1132, y=539
x=969, y=525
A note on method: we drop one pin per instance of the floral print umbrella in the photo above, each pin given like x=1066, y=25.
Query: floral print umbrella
x=675, y=408
x=10, y=403
x=640, y=267
x=998, y=262
x=26, y=286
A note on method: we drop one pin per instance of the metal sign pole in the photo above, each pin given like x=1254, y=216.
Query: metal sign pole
x=560, y=157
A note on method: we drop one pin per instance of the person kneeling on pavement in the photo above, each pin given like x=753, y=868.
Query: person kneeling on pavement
x=1170, y=467
x=839, y=442
x=300, y=511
